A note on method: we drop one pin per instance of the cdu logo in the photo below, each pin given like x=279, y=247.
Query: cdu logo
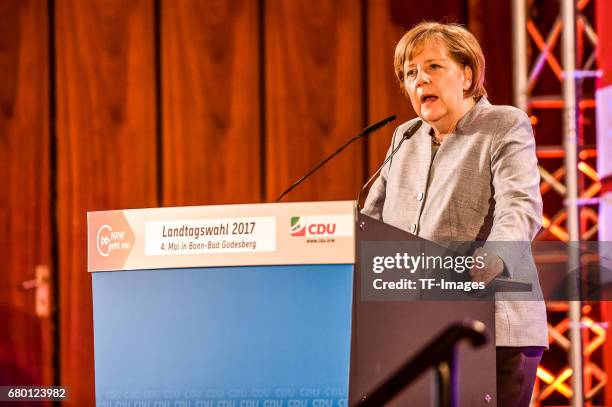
x=316, y=226
x=298, y=226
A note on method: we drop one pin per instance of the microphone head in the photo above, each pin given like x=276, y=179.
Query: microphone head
x=373, y=127
x=390, y=119
x=413, y=129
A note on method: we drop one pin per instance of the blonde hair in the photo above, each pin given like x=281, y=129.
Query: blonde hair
x=461, y=44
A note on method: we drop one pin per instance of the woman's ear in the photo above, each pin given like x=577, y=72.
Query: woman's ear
x=467, y=77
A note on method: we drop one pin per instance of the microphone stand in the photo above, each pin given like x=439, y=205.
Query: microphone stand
x=370, y=129
x=411, y=131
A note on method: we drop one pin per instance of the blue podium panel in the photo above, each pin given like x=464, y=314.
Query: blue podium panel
x=223, y=336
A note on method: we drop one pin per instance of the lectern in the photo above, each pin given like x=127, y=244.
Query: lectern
x=256, y=305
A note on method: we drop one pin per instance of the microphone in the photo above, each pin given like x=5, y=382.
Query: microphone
x=409, y=133
x=370, y=129
x=373, y=127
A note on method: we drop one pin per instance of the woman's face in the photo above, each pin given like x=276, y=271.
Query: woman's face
x=435, y=84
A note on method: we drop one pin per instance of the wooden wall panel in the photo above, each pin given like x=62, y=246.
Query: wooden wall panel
x=491, y=23
x=387, y=21
x=106, y=146
x=26, y=344
x=211, y=102
x=314, y=96
x=385, y=95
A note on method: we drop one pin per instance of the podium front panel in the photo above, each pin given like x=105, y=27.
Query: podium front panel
x=227, y=335
x=224, y=332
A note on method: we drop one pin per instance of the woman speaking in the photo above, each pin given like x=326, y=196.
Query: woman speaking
x=468, y=174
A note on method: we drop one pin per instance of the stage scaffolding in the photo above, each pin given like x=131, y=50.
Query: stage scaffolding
x=563, y=48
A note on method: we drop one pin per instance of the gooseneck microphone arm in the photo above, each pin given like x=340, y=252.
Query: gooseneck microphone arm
x=370, y=129
x=409, y=133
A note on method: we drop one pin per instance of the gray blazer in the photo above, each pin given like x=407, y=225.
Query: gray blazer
x=483, y=184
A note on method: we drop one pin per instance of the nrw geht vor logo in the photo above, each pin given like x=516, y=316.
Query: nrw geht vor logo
x=107, y=240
